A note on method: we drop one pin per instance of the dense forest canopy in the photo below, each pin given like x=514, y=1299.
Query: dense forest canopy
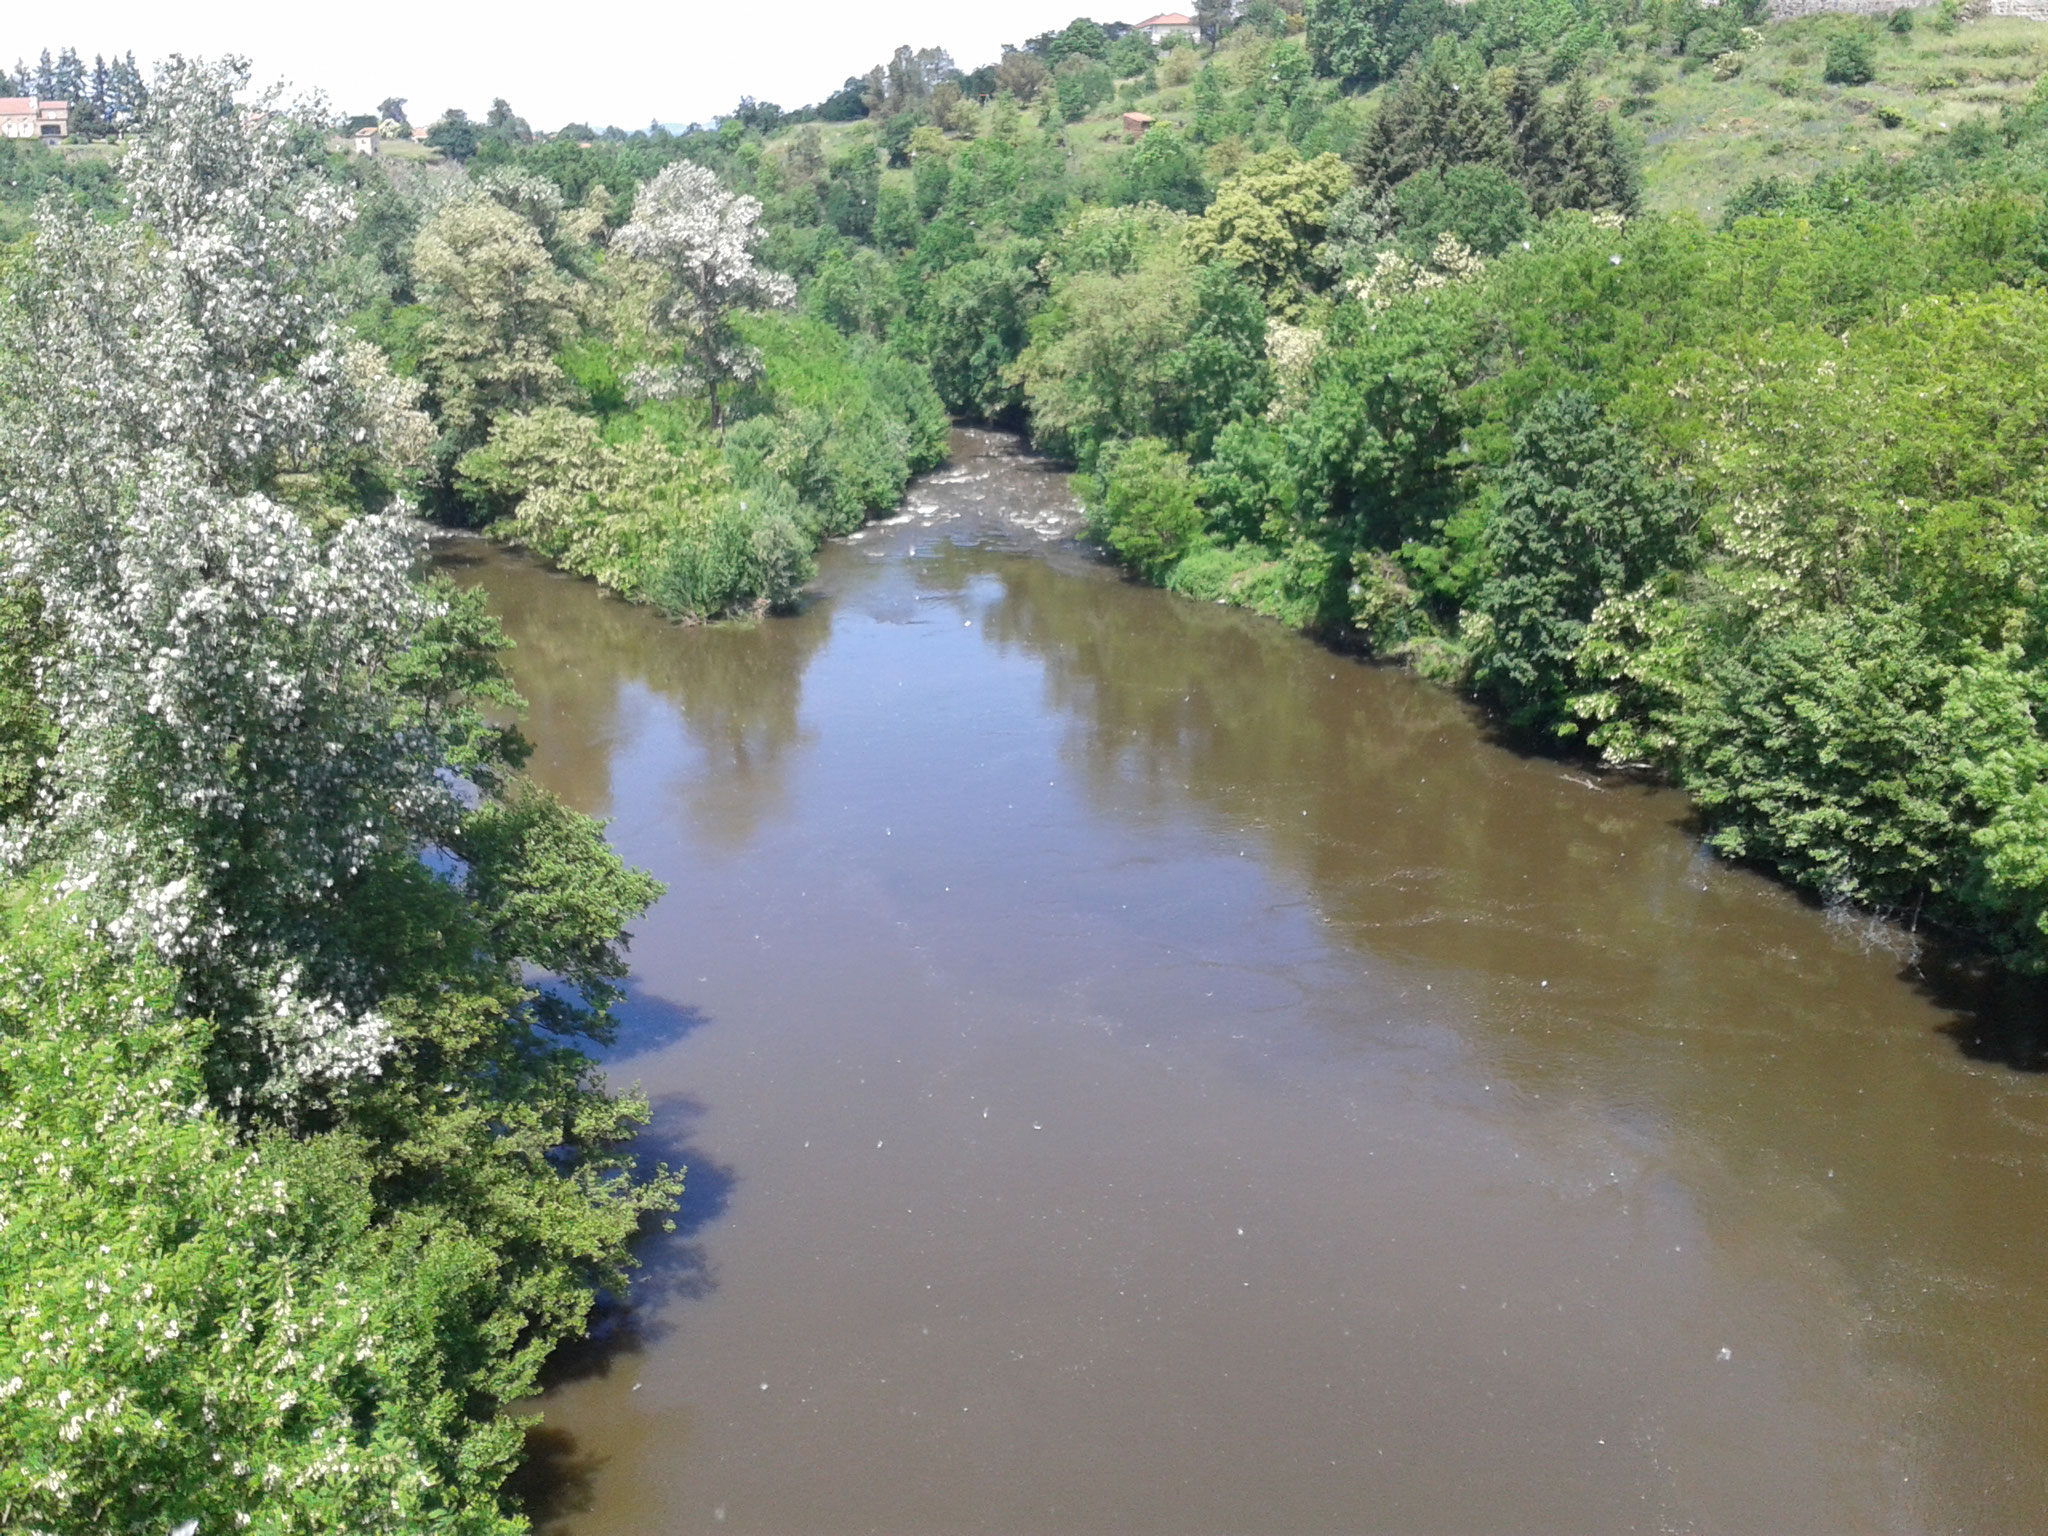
x=1376, y=328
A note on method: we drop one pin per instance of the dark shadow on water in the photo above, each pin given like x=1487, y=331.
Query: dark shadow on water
x=555, y=1481
x=674, y=1265
x=2000, y=1018
x=644, y=1022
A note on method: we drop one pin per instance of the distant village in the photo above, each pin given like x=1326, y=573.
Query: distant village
x=62, y=100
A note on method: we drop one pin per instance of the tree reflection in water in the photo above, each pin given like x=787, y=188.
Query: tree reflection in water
x=735, y=690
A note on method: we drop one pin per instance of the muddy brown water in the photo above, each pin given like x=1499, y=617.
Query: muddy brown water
x=1141, y=1072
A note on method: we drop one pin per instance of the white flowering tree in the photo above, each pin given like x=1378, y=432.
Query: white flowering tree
x=220, y=676
x=260, y=1067
x=699, y=240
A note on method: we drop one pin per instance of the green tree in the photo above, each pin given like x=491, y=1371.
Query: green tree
x=1481, y=205
x=1269, y=220
x=1141, y=503
x=503, y=126
x=1081, y=38
x=1131, y=54
x=1346, y=41
x=971, y=326
x=1212, y=120
x=499, y=311
x=1082, y=84
x=1023, y=75
x=1214, y=18
x=1579, y=159
x=454, y=135
x=1443, y=112
x=1581, y=517
x=1819, y=746
x=1138, y=338
x=336, y=1178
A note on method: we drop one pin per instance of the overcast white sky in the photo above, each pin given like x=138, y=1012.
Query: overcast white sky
x=616, y=61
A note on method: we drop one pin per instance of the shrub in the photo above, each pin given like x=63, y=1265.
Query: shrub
x=745, y=550
x=1849, y=60
x=1142, y=505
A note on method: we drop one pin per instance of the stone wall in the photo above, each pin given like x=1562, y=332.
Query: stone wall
x=1785, y=10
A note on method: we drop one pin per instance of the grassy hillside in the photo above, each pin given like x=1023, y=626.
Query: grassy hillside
x=1705, y=138
x=1704, y=131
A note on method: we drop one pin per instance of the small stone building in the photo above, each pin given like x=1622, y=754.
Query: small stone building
x=29, y=117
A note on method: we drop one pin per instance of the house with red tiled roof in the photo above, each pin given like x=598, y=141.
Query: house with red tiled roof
x=1171, y=24
x=28, y=117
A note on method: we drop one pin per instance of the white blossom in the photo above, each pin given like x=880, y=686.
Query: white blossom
x=700, y=239
x=227, y=762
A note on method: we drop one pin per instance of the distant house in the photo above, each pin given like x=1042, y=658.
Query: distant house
x=1172, y=24
x=1135, y=124
x=28, y=117
x=365, y=141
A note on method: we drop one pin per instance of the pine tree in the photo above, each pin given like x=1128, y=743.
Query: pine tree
x=69, y=78
x=1585, y=164
x=1443, y=113
x=129, y=93
x=46, y=76
x=1523, y=99
x=92, y=123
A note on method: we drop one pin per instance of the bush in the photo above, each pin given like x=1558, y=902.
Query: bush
x=1849, y=61
x=1082, y=85
x=1162, y=168
x=745, y=551
x=1142, y=505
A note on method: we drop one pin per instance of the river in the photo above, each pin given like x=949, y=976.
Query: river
x=1139, y=1071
